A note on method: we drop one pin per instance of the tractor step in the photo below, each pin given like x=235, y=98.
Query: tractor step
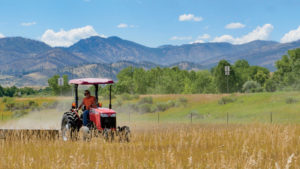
x=26, y=134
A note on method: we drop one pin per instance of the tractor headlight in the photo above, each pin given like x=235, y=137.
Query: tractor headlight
x=104, y=115
x=113, y=115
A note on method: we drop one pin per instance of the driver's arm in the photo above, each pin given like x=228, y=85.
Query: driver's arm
x=80, y=105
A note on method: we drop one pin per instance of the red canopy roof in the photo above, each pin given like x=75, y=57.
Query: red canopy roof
x=90, y=81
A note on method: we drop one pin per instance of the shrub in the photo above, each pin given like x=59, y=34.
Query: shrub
x=146, y=108
x=226, y=100
x=171, y=103
x=9, y=106
x=252, y=87
x=7, y=99
x=147, y=100
x=126, y=96
x=162, y=106
x=135, y=96
x=290, y=100
x=270, y=85
x=182, y=101
x=20, y=113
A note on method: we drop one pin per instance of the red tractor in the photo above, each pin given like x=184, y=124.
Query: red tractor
x=102, y=121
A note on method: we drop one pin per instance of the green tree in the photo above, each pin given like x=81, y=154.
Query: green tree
x=221, y=78
x=288, y=70
x=270, y=85
x=1, y=91
x=261, y=77
x=56, y=89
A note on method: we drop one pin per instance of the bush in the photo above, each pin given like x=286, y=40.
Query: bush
x=126, y=96
x=171, y=103
x=19, y=113
x=252, y=87
x=270, y=85
x=147, y=100
x=135, y=96
x=9, y=105
x=182, y=101
x=290, y=100
x=162, y=107
x=226, y=100
x=146, y=108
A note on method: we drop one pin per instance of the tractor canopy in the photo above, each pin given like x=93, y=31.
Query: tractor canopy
x=91, y=81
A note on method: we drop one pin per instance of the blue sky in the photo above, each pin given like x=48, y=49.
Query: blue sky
x=151, y=22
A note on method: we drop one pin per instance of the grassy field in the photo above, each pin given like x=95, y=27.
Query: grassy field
x=245, y=108
x=248, y=141
x=166, y=146
x=205, y=108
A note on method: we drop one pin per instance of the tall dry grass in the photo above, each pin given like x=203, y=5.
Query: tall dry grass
x=165, y=146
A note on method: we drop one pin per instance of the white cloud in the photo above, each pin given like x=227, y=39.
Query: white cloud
x=260, y=33
x=1, y=35
x=234, y=25
x=197, y=41
x=181, y=38
x=201, y=38
x=28, y=23
x=124, y=25
x=67, y=38
x=204, y=36
x=190, y=17
x=291, y=36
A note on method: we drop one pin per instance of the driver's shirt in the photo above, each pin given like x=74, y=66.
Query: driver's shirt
x=89, y=101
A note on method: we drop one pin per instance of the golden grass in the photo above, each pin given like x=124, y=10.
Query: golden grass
x=165, y=146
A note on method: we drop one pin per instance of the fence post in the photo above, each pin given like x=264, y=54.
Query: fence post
x=157, y=117
x=271, y=117
x=191, y=117
x=227, y=118
x=1, y=116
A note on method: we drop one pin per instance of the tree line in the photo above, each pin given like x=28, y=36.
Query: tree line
x=243, y=78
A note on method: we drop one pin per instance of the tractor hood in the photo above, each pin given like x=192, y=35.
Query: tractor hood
x=102, y=111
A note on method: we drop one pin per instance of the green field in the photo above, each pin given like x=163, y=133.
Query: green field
x=284, y=107
x=246, y=108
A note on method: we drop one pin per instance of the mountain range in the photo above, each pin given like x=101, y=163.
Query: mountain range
x=30, y=62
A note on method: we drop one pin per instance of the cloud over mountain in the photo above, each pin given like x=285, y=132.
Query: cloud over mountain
x=67, y=38
x=292, y=35
x=260, y=33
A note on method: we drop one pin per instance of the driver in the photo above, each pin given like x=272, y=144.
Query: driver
x=89, y=101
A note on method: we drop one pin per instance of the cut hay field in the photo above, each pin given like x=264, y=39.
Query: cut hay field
x=166, y=146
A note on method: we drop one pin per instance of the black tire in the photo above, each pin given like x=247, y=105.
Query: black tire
x=70, y=126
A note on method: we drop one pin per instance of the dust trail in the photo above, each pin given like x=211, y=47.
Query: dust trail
x=44, y=119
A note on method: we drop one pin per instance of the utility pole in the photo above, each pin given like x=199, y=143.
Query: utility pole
x=227, y=73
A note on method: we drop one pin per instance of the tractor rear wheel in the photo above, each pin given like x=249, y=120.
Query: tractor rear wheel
x=70, y=126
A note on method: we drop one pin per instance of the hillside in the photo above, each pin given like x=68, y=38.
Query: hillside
x=25, y=61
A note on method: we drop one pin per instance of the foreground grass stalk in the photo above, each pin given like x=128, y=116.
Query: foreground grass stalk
x=169, y=146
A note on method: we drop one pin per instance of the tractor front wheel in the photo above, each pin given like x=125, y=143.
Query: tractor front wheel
x=70, y=126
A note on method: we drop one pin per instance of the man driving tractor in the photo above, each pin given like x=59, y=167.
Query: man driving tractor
x=89, y=101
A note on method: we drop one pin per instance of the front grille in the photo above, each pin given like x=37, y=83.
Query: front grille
x=108, y=122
